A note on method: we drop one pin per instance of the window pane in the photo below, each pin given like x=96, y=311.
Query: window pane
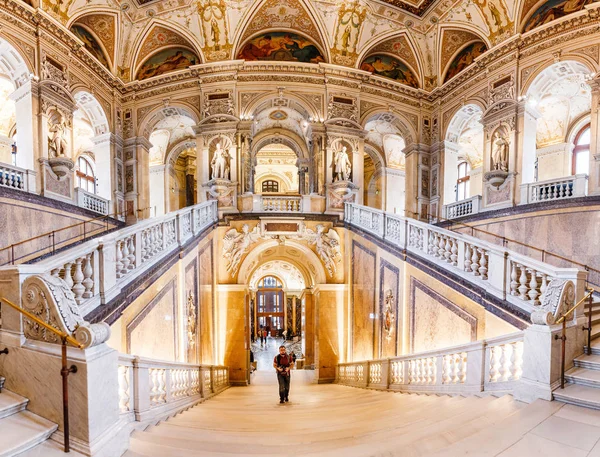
x=585, y=137
x=582, y=162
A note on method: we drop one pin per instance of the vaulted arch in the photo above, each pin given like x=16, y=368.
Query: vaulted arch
x=99, y=32
x=453, y=42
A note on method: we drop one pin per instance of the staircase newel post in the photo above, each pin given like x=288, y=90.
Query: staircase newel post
x=367, y=373
x=141, y=388
x=385, y=373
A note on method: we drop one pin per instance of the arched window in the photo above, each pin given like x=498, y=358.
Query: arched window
x=85, y=175
x=581, y=152
x=462, y=183
x=270, y=185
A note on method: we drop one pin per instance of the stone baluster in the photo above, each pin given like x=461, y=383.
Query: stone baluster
x=462, y=368
x=533, y=287
x=493, y=363
x=125, y=260
x=543, y=287
x=523, y=283
x=88, y=281
x=68, y=275
x=502, y=368
x=475, y=261
x=131, y=248
x=513, y=279
x=454, y=253
x=483, y=264
x=468, y=254
x=448, y=249
x=78, y=287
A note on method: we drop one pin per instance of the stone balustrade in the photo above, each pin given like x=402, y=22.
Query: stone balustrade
x=97, y=270
x=462, y=208
x=17, y=178
x=503, y=273
x=279, y=204
x=554, y=189
x=91, y=202
x=152, y=389
x=495, y=364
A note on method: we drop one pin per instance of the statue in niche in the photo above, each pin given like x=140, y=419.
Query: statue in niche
x=343, y=167
x=388, y=315
x=327, y=245
x=220, y=163
x=500, y=153
x=192, y=319
x=58, y=142
x=235, y=245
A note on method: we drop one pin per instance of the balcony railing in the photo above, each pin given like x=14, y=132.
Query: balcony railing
x=495, y=364
x=503, y=273
x=97, y=270
x=555, y=189
x=17, y=178
x=150, y=389
x=462, y=208
x=277, y=204
x=91, y=202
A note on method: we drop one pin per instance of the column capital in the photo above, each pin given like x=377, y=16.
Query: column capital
x=138, y=141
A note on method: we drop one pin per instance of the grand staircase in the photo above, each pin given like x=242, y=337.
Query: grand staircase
x=20, y=430
x=334, y=420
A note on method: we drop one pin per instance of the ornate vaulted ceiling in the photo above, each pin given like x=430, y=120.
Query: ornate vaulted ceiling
x=421, y=44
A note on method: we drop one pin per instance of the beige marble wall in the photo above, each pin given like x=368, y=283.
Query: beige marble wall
x=309, y=329
x=329, y=314
x=231, y=333
x=22, y=220
x=363, y=302
x=207, y=302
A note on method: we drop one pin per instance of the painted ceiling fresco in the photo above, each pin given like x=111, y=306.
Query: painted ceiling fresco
x=423, y=35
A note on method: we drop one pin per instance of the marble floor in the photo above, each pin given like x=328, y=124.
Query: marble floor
x=333, y=420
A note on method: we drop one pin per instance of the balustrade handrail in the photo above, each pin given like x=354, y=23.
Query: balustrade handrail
x=505, y=240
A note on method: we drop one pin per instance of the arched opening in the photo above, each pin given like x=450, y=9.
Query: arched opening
x=92, y=145
x=580, y=163
x=277, y=312
x=276, y=170
x=386, y=180
x=559, y=102
x=16, y=110
x=172, y=162
x=463, y=155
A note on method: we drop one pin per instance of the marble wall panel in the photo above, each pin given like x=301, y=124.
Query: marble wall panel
x=363, y=302
x=436, y=322
x=389, y=279
x=206, y=303
x=192, y=316
x=152, y=333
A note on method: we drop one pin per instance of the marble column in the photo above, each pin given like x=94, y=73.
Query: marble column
x=103, y=148
x=137, y=178
x=27, y=125
x=522, y=156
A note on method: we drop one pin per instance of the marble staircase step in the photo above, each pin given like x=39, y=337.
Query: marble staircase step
x=49, y=448
x=595, y=345
x=22, y=431
x=583, y=376
x=580, y=395
x=591, y=362
x=11, y=403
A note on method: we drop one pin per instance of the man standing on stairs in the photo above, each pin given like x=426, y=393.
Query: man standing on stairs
x=283, y=363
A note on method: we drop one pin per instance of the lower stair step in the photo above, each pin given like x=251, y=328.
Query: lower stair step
x=22, y=431
x=579, y=395
x=11, y=403
x=583, y=376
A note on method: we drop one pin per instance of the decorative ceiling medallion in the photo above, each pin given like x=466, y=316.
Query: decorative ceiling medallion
x=278, y=115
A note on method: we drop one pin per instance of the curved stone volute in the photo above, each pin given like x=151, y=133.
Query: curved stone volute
x=49, y=298
x=558, y=298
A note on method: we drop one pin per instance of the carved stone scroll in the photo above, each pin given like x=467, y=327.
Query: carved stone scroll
x=558, y=298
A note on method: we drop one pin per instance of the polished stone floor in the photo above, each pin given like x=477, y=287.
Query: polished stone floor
x=333, y=420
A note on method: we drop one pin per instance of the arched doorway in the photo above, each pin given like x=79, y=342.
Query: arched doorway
x=276, y=170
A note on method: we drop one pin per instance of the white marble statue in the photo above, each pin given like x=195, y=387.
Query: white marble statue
x=58, y=141
x=500, y=153
x=220, y=163
x=235, y=245
x=327, y=245
x=343, y=167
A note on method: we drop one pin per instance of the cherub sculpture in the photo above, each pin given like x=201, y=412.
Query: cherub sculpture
x=235, y=245
x=327, y=245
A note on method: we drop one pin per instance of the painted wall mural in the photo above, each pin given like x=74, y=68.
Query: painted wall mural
x=464, y=59
x=212, y=14
x=497, y=18
x=281, y=46
x=347, y=33
x=165, y=61
x=390, y=67
x=553, y=9
x=90, y=43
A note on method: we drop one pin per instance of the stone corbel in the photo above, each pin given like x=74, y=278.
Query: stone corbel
x=50, y=299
